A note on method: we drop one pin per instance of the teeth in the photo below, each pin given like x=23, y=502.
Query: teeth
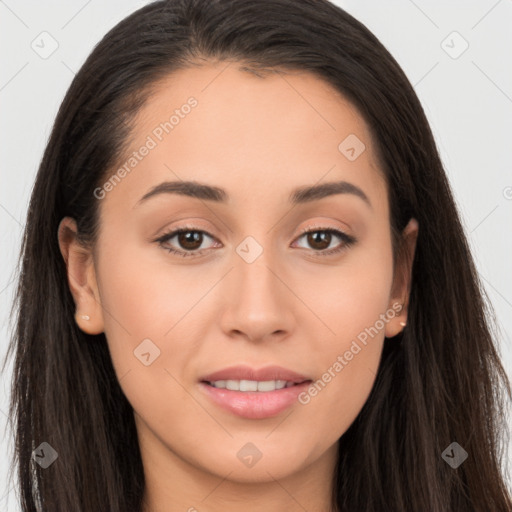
x=267, y=385
x=251, y=385
x=232, y=384
x=248, y=385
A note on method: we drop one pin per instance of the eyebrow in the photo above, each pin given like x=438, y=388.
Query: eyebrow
x=211, y=193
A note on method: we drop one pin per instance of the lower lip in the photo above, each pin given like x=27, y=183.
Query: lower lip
x=255, y=404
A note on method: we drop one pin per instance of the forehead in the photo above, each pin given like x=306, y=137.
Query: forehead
x=256, y=137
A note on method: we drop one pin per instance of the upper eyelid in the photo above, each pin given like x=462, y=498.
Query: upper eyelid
x=310, y=229
x=166, y=236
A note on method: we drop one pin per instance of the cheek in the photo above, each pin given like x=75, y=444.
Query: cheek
x=150, y=312
x=350, y=297
x=355, y=308
x=147, y=295
x=142, y=301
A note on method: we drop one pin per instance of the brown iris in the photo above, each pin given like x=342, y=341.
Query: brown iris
x=322, y=237
x=190, y=239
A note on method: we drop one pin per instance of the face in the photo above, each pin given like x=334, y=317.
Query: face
x=243, y=297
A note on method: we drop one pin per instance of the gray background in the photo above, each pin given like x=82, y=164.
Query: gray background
x=467, y=97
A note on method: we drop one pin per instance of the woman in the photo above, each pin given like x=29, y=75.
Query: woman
x=245, y=283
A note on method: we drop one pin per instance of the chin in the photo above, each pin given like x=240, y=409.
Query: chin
x=257, y=462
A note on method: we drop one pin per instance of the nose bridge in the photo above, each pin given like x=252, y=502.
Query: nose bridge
x=259, y=304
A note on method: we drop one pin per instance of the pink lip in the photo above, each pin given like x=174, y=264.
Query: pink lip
x=255, y=404
x=247, y=373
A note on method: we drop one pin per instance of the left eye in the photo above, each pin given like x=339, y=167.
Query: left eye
x=322, y=238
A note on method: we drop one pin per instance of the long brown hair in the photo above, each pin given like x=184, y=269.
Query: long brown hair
x=440, y=382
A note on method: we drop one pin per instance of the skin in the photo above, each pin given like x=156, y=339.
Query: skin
x=290, y=307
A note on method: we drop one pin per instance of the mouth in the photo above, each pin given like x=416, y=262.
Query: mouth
x=262, y=386
x=254, y=394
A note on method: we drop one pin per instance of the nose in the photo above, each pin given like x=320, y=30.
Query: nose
x=258, y=304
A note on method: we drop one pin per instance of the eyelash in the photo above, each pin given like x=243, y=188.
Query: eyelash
x=348, y=240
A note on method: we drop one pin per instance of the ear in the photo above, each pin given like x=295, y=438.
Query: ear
x=402, y=278
x=81, y=278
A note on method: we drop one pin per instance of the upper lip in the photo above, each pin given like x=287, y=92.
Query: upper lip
x=242, y=372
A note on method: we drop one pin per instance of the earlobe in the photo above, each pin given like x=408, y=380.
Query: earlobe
x=397, y=323
x=81, y=278
x=402, y=278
